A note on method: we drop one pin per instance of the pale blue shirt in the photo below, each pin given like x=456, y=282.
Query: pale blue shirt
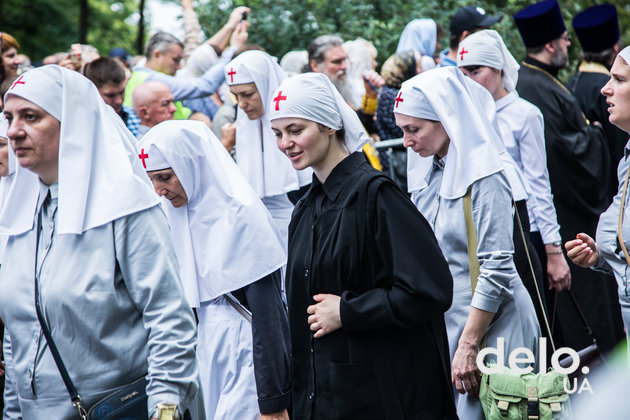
x=492, y=214
x=522, y=131
x=611, y=255
x=112, y=300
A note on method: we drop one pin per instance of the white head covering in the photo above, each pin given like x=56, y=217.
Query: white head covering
x=6, y=181
x=419, y=35
x=486, y=48
x=312, y=96
x=625, y=54
x=100, y=178
x=266, y=168
x=467, y=112
x=224, y=237
x=293, y=62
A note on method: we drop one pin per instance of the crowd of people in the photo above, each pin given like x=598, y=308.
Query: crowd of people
x=220, y=223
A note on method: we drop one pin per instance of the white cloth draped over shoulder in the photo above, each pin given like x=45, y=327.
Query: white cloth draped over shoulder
x=419, y=35
x=224, y=237
x=468, y=113
x=312, y=96
x=486, y=48
x=268, y=171
x=96, y=154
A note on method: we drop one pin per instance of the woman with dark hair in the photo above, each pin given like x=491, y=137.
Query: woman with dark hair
x=367, y=285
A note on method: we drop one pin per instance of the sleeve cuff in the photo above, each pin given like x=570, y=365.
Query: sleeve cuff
x=274, y=404
x=485, y=303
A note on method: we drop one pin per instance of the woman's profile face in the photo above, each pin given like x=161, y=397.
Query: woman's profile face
x=486, y=76
x=617, y=93
x=10, y=62
x=4, y=157
x=425, y=137
x=167, y=185
x=304, y=142
x=248, y=99
x=34, y=136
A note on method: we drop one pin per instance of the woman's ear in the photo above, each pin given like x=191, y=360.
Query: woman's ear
x=331, y=131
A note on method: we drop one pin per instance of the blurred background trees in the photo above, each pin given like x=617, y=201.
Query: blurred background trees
x=46, y=26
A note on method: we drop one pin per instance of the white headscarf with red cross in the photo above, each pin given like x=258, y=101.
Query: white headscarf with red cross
x=312, y=96
x=100, y=177
x=468, y=113
x=486, y=48
x=264, y=166
x=224, y=236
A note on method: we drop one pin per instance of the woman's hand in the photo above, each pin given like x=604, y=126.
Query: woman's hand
x=228, y=135
x=582, y=251
x=324, y=317
x=278, y=415
x=464, y=372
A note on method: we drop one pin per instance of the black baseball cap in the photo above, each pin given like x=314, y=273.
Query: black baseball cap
x=471, y=17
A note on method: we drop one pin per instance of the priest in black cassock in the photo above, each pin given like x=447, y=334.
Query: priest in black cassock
x=597, y=28
x=578, y=160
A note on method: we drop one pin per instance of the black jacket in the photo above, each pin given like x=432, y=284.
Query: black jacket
x=360, y=237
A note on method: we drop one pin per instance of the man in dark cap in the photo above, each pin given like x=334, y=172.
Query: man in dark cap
x=579, y=165
x=467, y=20
x=597, y=28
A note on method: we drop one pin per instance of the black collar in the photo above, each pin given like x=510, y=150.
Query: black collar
x=549, y=69
x=338, y=176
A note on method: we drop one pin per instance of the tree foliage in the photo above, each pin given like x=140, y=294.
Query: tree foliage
x=43, y=27
x=284, y=25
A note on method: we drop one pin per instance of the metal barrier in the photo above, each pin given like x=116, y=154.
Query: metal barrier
x=388, y=146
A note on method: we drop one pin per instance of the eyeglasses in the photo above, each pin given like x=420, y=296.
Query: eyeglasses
x=566, y=37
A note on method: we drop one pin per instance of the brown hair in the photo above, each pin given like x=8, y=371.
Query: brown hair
x=8, y=42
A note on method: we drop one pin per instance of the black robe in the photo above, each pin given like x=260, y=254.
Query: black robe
x=360, y=237
x=586, y=87
x=579, y=166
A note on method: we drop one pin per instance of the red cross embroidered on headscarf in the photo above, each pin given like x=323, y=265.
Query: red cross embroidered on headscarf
x=18, y=82
x=231, y=74
x=279, y=98
x=143, y=156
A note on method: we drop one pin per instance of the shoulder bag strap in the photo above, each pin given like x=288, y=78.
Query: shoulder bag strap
x=471, y=240
x=531, y=267
x=74, y=395
x=472, y=244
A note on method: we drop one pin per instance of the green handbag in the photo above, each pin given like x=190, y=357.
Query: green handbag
x=513, y=396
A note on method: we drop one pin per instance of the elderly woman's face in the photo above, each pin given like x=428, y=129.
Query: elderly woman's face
x=248, y=99
x=617, y=92
x=34, y=136
x=167, y=185
x=4, y=157
x=425, y=137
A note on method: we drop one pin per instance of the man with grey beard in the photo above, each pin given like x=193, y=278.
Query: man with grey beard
x=578, y=161
x=326, y=55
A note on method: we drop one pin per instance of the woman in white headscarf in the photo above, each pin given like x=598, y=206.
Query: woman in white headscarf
x=484, y=57
x=253, y=77
x=613, y=230
x=422, y=35
x=455, y=151
x=230, y=254
x=89, y=235
x=367, y=286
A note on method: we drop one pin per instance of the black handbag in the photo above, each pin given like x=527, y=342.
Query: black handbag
x=129, y=402
x=591, y=355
